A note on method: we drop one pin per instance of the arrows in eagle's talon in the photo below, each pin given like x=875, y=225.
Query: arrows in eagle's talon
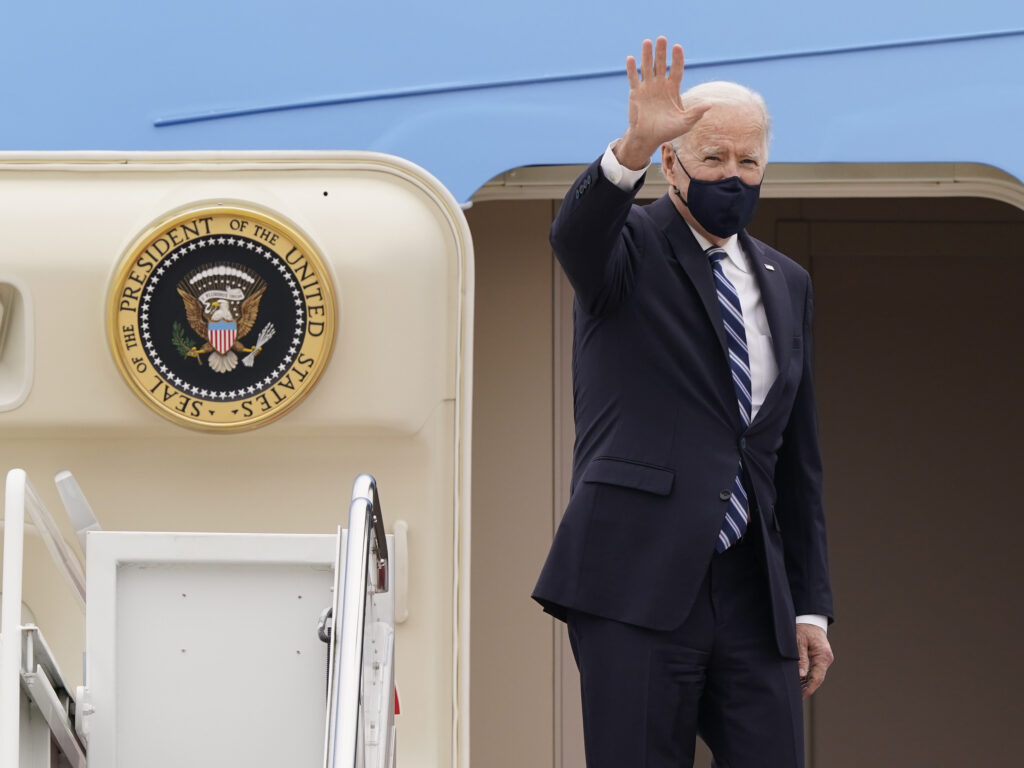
x=249, y=359
x=265, y=335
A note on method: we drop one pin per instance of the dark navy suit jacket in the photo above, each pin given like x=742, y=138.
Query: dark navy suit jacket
x=658, y=430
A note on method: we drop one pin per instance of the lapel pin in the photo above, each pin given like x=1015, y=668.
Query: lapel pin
x=769, y=267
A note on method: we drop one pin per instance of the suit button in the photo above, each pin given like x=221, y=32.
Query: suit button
x=725, y=495
x=743, y=443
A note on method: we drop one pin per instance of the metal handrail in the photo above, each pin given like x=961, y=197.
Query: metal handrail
x=20, y=498
x=366, y=547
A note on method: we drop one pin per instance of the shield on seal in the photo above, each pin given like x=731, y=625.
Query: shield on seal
x=222, y=336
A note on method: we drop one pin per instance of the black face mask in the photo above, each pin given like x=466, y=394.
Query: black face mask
x=722, y=207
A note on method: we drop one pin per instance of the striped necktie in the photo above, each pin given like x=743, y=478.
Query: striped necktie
x=736, y=515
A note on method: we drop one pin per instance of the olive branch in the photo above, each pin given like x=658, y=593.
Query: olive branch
x=184, y=344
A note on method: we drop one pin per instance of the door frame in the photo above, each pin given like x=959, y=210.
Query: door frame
x=783, y=181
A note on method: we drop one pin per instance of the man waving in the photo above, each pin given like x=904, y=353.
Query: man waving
x=691, y=563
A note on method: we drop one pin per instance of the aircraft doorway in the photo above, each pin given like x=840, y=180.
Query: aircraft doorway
x=918, y=366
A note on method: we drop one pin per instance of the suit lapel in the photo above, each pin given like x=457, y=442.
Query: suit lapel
x=691, y=257
x=777, y=308
x=770, y=280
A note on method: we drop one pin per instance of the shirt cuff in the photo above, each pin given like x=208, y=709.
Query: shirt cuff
x=622, y=177
x=813, y=618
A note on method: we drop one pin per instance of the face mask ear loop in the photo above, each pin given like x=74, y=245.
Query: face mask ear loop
x=676, y=155
x=675, y=188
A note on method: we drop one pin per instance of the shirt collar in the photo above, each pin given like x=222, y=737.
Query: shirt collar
x=732, y=248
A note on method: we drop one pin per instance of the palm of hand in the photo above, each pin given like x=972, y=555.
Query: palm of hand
x=656, y=111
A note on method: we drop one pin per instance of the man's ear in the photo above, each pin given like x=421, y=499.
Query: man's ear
x=668, y=162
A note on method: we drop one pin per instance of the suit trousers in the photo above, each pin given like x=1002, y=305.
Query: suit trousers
x=648, y=694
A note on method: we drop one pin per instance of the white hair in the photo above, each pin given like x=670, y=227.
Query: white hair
x=731, y=94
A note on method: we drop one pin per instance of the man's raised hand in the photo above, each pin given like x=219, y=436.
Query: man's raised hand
x=656, y=113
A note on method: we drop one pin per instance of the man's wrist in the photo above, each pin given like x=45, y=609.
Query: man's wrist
x=623, y=177
x=633, y=154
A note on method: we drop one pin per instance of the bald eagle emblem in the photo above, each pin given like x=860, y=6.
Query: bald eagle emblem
x=222, y=302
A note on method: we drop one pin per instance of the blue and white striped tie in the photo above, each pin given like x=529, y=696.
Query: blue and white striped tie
x=736, y=516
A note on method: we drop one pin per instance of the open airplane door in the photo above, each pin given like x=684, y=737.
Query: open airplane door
x=215, y=344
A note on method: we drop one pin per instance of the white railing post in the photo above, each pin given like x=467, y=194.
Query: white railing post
x=10, y=619
x=366, y=572
x=21, y=501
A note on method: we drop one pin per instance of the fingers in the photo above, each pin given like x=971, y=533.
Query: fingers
x=810, y=686
x=803, y=665
x=814, y=658
x=813, y=680
x=654, y=62
x=660, y=47
x=695, y=112
x=646, y=60
x=676, y=72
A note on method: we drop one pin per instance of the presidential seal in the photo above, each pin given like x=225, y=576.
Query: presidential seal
x=221, y=317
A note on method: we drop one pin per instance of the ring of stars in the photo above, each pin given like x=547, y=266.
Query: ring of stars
x=225, y=394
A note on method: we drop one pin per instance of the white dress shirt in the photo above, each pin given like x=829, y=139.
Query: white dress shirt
x=763, y=367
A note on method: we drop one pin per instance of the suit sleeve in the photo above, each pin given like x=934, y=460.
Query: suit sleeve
x=597, y=242
x=799, y=508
